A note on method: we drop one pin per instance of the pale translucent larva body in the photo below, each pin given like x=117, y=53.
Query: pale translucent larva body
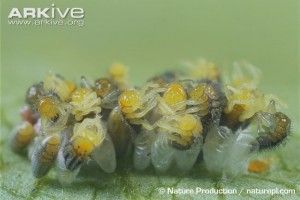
x=185, y=159
x=64, y=175
x=142, y=151
x=164, y=156
x=89, y=141
x=44, y=155
x=23, y=135
x=105, y=155
x=227, y=153
x=121, y=133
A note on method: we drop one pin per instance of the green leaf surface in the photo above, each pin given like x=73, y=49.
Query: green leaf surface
x=17, y=181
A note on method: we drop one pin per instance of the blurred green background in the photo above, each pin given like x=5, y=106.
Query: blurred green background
x=149, y=37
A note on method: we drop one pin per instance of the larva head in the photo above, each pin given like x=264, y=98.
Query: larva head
x=187, y=129
x=130, y=101
x=87, y=135
x=247, y=100
x=118, y=72
x=56, y=83
x=165, y=78
x=79, y=94
x=85, y=102
x=198, y=94
x=239, y=97
x=190, y=126
x=26, y=129
x=104, y=86
x=82, y=146
x=174, y=95
x=240, y=82
x=90, y=129
x=48, y=107
x=23, y=136
x=71, y=87
x=245, y=75
x=205, y=70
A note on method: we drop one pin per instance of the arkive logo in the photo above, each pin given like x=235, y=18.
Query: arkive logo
x=51, y=12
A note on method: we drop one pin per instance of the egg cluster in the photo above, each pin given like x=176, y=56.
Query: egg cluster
x=167, y=123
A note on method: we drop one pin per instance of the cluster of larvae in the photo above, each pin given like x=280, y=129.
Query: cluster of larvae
x=171, y=122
